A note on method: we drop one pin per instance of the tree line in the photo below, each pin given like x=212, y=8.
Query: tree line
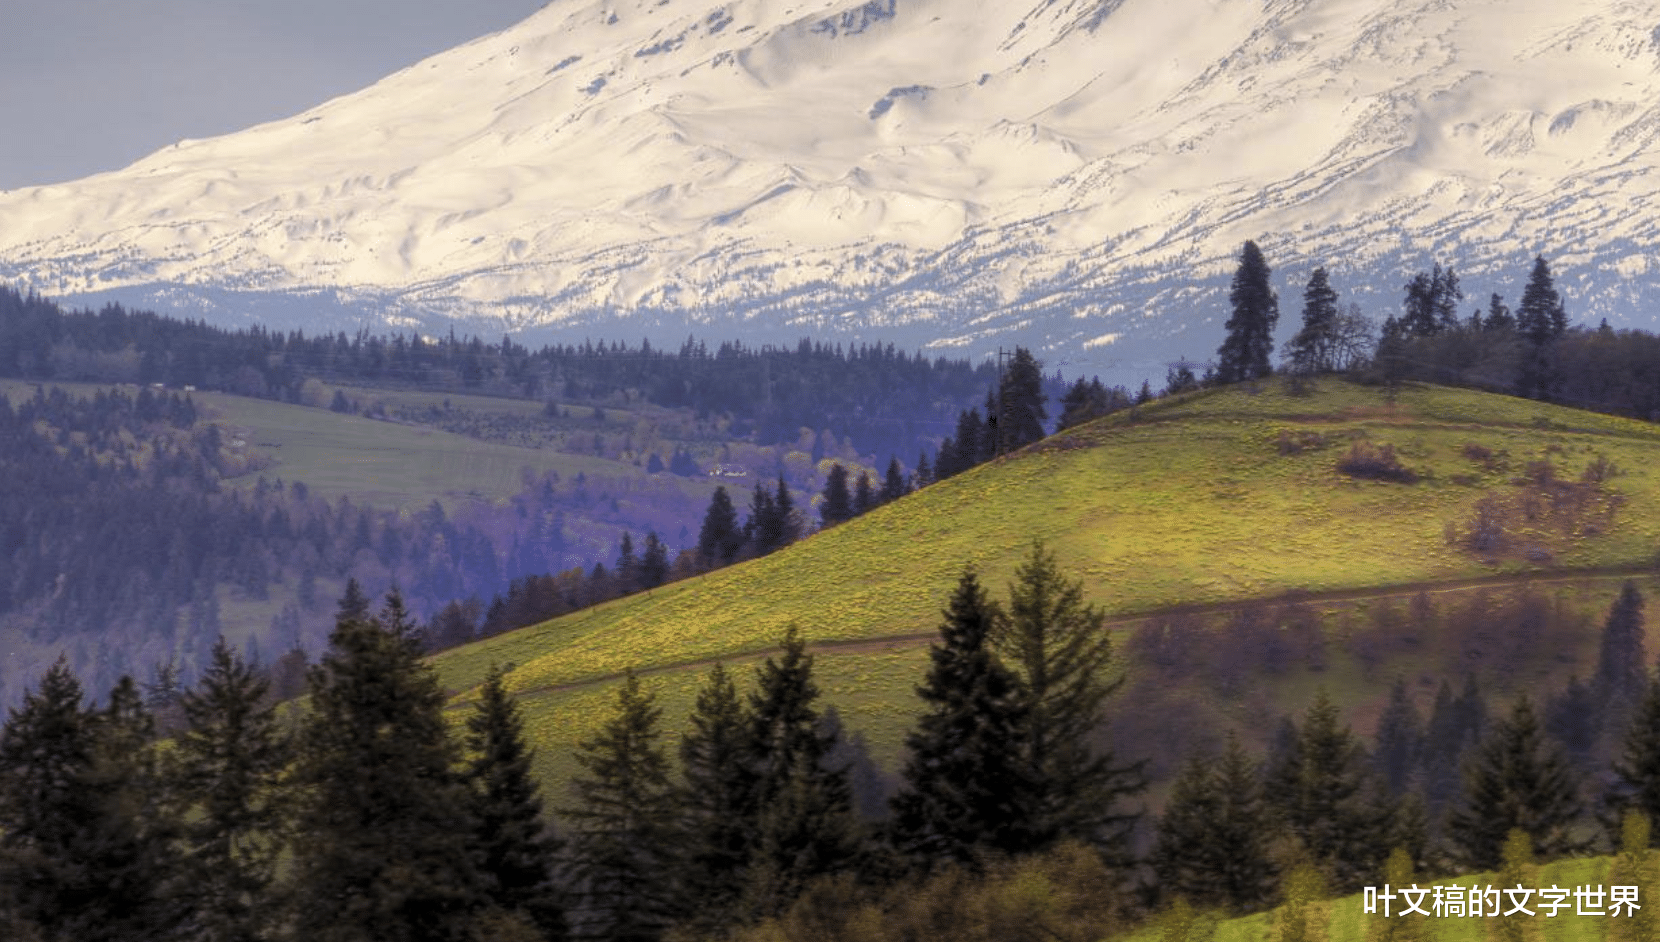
x=884, y=399
x=214, y=813
x=363, y=817
x=1534, y=352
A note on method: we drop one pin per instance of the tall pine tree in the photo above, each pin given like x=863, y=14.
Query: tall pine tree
x=622, y=824
x=1061, y=653
x=1636, y=784
x=515, y=852
x=720, y=537
x=1020, y=400
x=1541, y=318
x=1256, y=310
x=1310, y=352
x=228, y=767
x=804, y=825
x=1212, y=846
x=717, y=807
x=1322, y=794
x=837, y=506
x=1517, y=781
x=894, y=485
x=864, y=495
x=1400, y=741
x=382, y=849
x=1620, y=658
x=967, y=788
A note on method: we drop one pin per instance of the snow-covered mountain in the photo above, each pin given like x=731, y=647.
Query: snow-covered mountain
x=1077, y=174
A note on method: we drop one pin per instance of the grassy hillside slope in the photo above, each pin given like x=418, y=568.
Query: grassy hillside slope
x=1206, y=499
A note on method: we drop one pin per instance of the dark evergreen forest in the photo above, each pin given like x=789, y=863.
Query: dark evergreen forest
x=211, y=811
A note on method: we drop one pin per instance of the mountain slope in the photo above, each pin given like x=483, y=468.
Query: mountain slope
x=1211, y=500
x=946, y=172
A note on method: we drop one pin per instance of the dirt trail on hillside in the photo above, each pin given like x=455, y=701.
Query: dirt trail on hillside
x=1124, y=622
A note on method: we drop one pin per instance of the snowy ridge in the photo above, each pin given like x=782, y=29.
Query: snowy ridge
x=1071, y=173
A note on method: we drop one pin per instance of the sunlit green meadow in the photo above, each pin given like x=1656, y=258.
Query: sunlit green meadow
x=1190, y=502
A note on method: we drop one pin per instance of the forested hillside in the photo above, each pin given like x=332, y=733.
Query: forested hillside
x=883, y=399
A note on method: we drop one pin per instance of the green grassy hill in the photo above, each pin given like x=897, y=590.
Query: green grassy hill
x=1204, y=500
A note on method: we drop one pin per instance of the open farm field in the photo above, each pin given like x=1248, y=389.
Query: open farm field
x=387, y=464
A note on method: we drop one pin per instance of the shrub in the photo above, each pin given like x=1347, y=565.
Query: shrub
x=1291, y=443
x=1375, y=462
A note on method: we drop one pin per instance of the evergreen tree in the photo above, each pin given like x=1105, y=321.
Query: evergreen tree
x=1540, y=320
x=762, y=533
x=622, y=824
x=894, y=485
x=924, y=474
x=837, y=506
x=804, y=824
x=516, y=856
x=1444, y=298
x=1541, y=317
x=1431, y=304
x=1244, y=353
x=1182, y=856
x=717, y=804
x=354, y=605
x=1179, y=379
x=788, y=522
x=1516, y=782
x=850, y=751
x=85, y=842
x=1391, y=352
x=772, y=523
x=1061, y=652
x=1418, y=307
x=1400, y=740
x=1020, y=400
x=1321, y=793
x=628, y=565
x=1620, y=659
x=1636, y=785
x=1498, y=315
x=967, y=790
x=1456, y=726
x=965, y=446
x=382, y=847
x=654, y=562
x=1212, y=846
x=228, y=767
x=945, y=459
x=1078, y=405
x=720, y=537
x=864, y=496
x=1310, y=352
